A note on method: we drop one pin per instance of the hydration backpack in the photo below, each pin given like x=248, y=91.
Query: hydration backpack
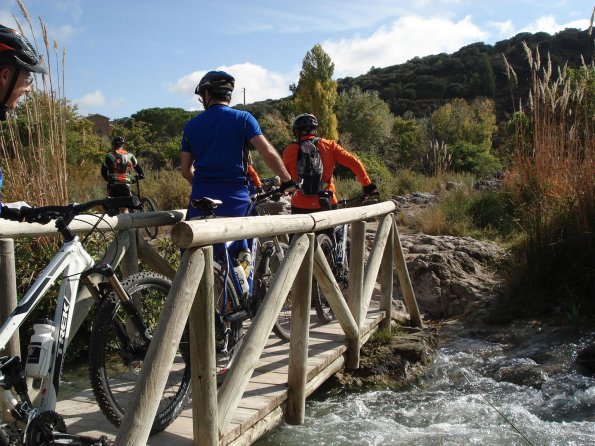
x=309, y=167
x=122, y=162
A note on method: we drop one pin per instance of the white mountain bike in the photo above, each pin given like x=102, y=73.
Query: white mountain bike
x=127, y=315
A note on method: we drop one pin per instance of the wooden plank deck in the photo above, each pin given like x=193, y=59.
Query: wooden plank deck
x=261, y=405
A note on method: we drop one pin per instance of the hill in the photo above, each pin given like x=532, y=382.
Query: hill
x=422, y=84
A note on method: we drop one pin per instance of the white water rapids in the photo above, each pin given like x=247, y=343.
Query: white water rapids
x=461, y=401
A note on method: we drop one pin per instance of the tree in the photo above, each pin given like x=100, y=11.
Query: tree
x=164, y=122
x=276, y=129
x=467, y=130
x=409, y=140
x=316, y=91
x=364, y=119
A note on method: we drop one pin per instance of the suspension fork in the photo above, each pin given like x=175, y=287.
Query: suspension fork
x=132, y=310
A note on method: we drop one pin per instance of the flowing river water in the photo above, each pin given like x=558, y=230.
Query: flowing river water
x=463, y=399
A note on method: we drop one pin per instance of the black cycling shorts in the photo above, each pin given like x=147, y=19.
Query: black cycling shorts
x=118, y=190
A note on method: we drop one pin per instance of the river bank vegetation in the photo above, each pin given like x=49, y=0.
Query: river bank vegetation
x=535, y=155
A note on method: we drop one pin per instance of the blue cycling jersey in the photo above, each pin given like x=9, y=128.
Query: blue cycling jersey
x=215, y=138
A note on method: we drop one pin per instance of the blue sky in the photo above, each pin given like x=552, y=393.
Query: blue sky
x=124, y=56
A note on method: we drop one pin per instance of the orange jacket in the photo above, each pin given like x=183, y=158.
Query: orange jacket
x=330, y=154
x=254, y=176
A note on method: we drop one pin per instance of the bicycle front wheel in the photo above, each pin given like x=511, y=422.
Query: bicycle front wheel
x=149, y=205
x=269, y=265
x=117, y=352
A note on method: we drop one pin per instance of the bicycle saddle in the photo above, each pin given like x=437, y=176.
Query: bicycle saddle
x=205, y=204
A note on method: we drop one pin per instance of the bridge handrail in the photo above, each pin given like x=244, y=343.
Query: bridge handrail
x=196, y=233
x=13, y=229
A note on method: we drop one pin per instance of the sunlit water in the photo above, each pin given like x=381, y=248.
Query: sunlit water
x=459, y=401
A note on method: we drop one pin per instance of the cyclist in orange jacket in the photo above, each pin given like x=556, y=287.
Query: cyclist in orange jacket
x=321, y=196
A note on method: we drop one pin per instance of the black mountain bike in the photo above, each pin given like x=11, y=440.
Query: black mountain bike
x=147, y=204
x=238, y=295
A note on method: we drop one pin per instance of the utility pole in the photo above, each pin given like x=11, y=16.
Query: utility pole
x=244, y=90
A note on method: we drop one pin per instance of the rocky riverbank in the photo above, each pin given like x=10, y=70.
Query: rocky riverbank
x=452, y=277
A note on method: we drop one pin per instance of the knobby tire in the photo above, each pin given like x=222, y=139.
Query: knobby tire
x=117, y=352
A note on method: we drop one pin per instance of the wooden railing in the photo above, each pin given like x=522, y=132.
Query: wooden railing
x=192, y=293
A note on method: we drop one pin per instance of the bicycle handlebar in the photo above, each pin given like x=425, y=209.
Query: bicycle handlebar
x=45, y=214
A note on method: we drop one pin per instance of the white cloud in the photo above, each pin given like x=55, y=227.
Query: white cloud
x=404, y=39
x=93, y=99
x=549, y=25
x=504, y=29
x=258, y=82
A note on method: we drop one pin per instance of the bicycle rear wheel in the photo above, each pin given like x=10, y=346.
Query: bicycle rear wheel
x=117, y=352
x=321, y=306
x=228, y=334
x=149, y=205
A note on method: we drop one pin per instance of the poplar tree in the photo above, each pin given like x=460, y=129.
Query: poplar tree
x=316, y=91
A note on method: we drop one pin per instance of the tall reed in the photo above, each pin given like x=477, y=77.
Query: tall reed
x=553, y=179
x=33, y=142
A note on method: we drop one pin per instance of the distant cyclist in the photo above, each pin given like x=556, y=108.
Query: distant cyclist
x=117, y=169
x=311, y=161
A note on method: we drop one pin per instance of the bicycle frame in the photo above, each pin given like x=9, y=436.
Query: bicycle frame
x=255, y=250
x=69, y=263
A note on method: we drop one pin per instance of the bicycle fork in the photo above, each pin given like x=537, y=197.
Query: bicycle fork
x=131, y=309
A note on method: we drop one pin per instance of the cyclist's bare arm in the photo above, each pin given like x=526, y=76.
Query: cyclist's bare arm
x=271, y=157
x=186, y=168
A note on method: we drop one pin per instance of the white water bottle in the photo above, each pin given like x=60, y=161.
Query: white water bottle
x=245, y=258
x=238, y=270
x=40, y=350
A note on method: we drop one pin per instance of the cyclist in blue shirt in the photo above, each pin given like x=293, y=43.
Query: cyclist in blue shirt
x=18, y=60
x=215, y=149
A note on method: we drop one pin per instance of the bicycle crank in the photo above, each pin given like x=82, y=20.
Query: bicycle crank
x=48, y=429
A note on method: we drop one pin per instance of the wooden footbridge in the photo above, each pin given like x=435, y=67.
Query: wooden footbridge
x=270, y=380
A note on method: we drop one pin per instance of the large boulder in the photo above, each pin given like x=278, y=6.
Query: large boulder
x=450, y=275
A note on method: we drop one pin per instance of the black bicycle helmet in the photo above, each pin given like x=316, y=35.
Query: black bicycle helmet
x=117, y=141
x=219, y=83
x=17, y=51
x=305, y=121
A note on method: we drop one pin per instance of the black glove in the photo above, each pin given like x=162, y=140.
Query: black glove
x=258, y=190
x=371, y=189
x=11, y=214
x=141, y=176
x=287, y=185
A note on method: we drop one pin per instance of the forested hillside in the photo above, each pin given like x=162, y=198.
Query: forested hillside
x=423, y=84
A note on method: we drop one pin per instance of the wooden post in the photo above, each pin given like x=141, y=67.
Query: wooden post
x=327, y=283
x=143, y=404
x=202, y=347
x=404, y=280
x=151, y=257
x=374, y=260
x=8, y=291
x=298, y=342
x=386, y=281
x=356, y=279
x=255, y=339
